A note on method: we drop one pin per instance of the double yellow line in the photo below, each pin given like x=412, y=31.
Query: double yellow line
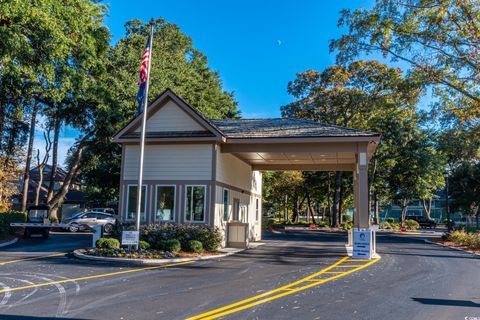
x=291, y=288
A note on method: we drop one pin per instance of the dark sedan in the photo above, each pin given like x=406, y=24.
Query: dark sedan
x=424, y=222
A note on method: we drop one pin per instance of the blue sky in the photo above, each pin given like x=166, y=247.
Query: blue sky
x=256, y=46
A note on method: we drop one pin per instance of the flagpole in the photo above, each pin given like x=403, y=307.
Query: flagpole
x=142, y=137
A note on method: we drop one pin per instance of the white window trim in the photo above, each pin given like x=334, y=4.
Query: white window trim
x=144, y=216
x=174, y=202
x=204, y=203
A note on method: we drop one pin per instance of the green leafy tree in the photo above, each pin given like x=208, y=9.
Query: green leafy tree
x=417, y=171
x=177, y=65
x=55, y=48
x=439, y=40
x=465, y=186
x=364, y=95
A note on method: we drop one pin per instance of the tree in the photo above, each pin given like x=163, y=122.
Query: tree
x=53, y=46
x=176, y=64
x=417, y=171
x=438, y=39
x=465, y=186
x=364, y=95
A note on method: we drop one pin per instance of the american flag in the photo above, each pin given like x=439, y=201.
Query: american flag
x=142, y=81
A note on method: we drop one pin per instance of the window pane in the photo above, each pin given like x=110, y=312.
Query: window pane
x=132, y=202
x=225, y=205
x=165, y=203
x=195, y=203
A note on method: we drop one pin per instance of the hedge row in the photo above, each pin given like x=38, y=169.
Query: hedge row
x=8, y=217
x=157, y=234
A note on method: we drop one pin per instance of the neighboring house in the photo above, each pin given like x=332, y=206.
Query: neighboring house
x=198, y=170
x=74, y=200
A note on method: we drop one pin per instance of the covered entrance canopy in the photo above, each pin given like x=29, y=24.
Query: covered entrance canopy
x=184, y=147
x=292, y=144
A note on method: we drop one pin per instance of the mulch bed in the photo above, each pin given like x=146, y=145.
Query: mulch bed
x=453, y=244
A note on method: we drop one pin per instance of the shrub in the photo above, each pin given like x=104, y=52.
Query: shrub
x=107, y=243
x=268, y=224
x=172, y=245
x=391, y=220
x=411, y=224
x=8, y=217
x=347, y=218
x=460, y=237
x=144, y=245
x=385, y=225
x=346, y=225
x=322, y=223
x=156, y=234
x=194, y=246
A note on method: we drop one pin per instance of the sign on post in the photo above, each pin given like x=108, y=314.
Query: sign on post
x=130, y=238
x=362, y=244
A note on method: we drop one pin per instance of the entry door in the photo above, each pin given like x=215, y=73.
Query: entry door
x=236, y=209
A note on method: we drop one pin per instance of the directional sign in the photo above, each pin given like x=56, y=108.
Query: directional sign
x=362, y=244
x=130, y=238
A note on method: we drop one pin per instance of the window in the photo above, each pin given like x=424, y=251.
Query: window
x=225, y=204
x=195, y=203
x=257, y=209
x=165, y=203
x=132, y=202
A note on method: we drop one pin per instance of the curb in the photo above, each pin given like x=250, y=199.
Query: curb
x=83, y=256
x=5, y=244
x=451, y=247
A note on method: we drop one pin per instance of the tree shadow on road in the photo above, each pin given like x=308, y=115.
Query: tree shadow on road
x=447, y=302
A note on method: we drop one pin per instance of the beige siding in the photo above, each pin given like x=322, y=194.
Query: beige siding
x=233, y=171
x=171, y=118
x=245, y=200
x=170, y=162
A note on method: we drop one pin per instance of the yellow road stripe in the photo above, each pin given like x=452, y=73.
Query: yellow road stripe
x=267, y=293
x=350, y=266
x=103, y=275
x=33, y=258
x=244, y=304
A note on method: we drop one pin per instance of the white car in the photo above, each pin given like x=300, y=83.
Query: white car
x=84, y=220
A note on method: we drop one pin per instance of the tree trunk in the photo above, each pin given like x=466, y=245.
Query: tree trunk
x=2, y=122
x=336, y=200
x=309, y=205
x=56, y=133
x=376, y=219
x=329, y=202
x=404, y=211
x=26, y=174
x=295, y=209
x=427, y=207
x=42, y=164
x=74, y=171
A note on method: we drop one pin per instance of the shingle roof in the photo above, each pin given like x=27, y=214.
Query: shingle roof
x=284, y=128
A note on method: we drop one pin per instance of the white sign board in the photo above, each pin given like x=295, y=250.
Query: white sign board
x=362, y=244
x=130, y=238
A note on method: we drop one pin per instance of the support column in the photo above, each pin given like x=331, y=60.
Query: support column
x=361, y=185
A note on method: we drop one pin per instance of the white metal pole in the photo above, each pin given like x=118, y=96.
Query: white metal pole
x=142, y=137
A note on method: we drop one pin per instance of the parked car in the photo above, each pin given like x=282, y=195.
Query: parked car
x=83, y=220
x=424, y=222
x=104, y=210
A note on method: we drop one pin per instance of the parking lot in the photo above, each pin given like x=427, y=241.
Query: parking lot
x=300, y=274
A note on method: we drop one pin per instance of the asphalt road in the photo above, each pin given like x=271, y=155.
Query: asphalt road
x=413, y=280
